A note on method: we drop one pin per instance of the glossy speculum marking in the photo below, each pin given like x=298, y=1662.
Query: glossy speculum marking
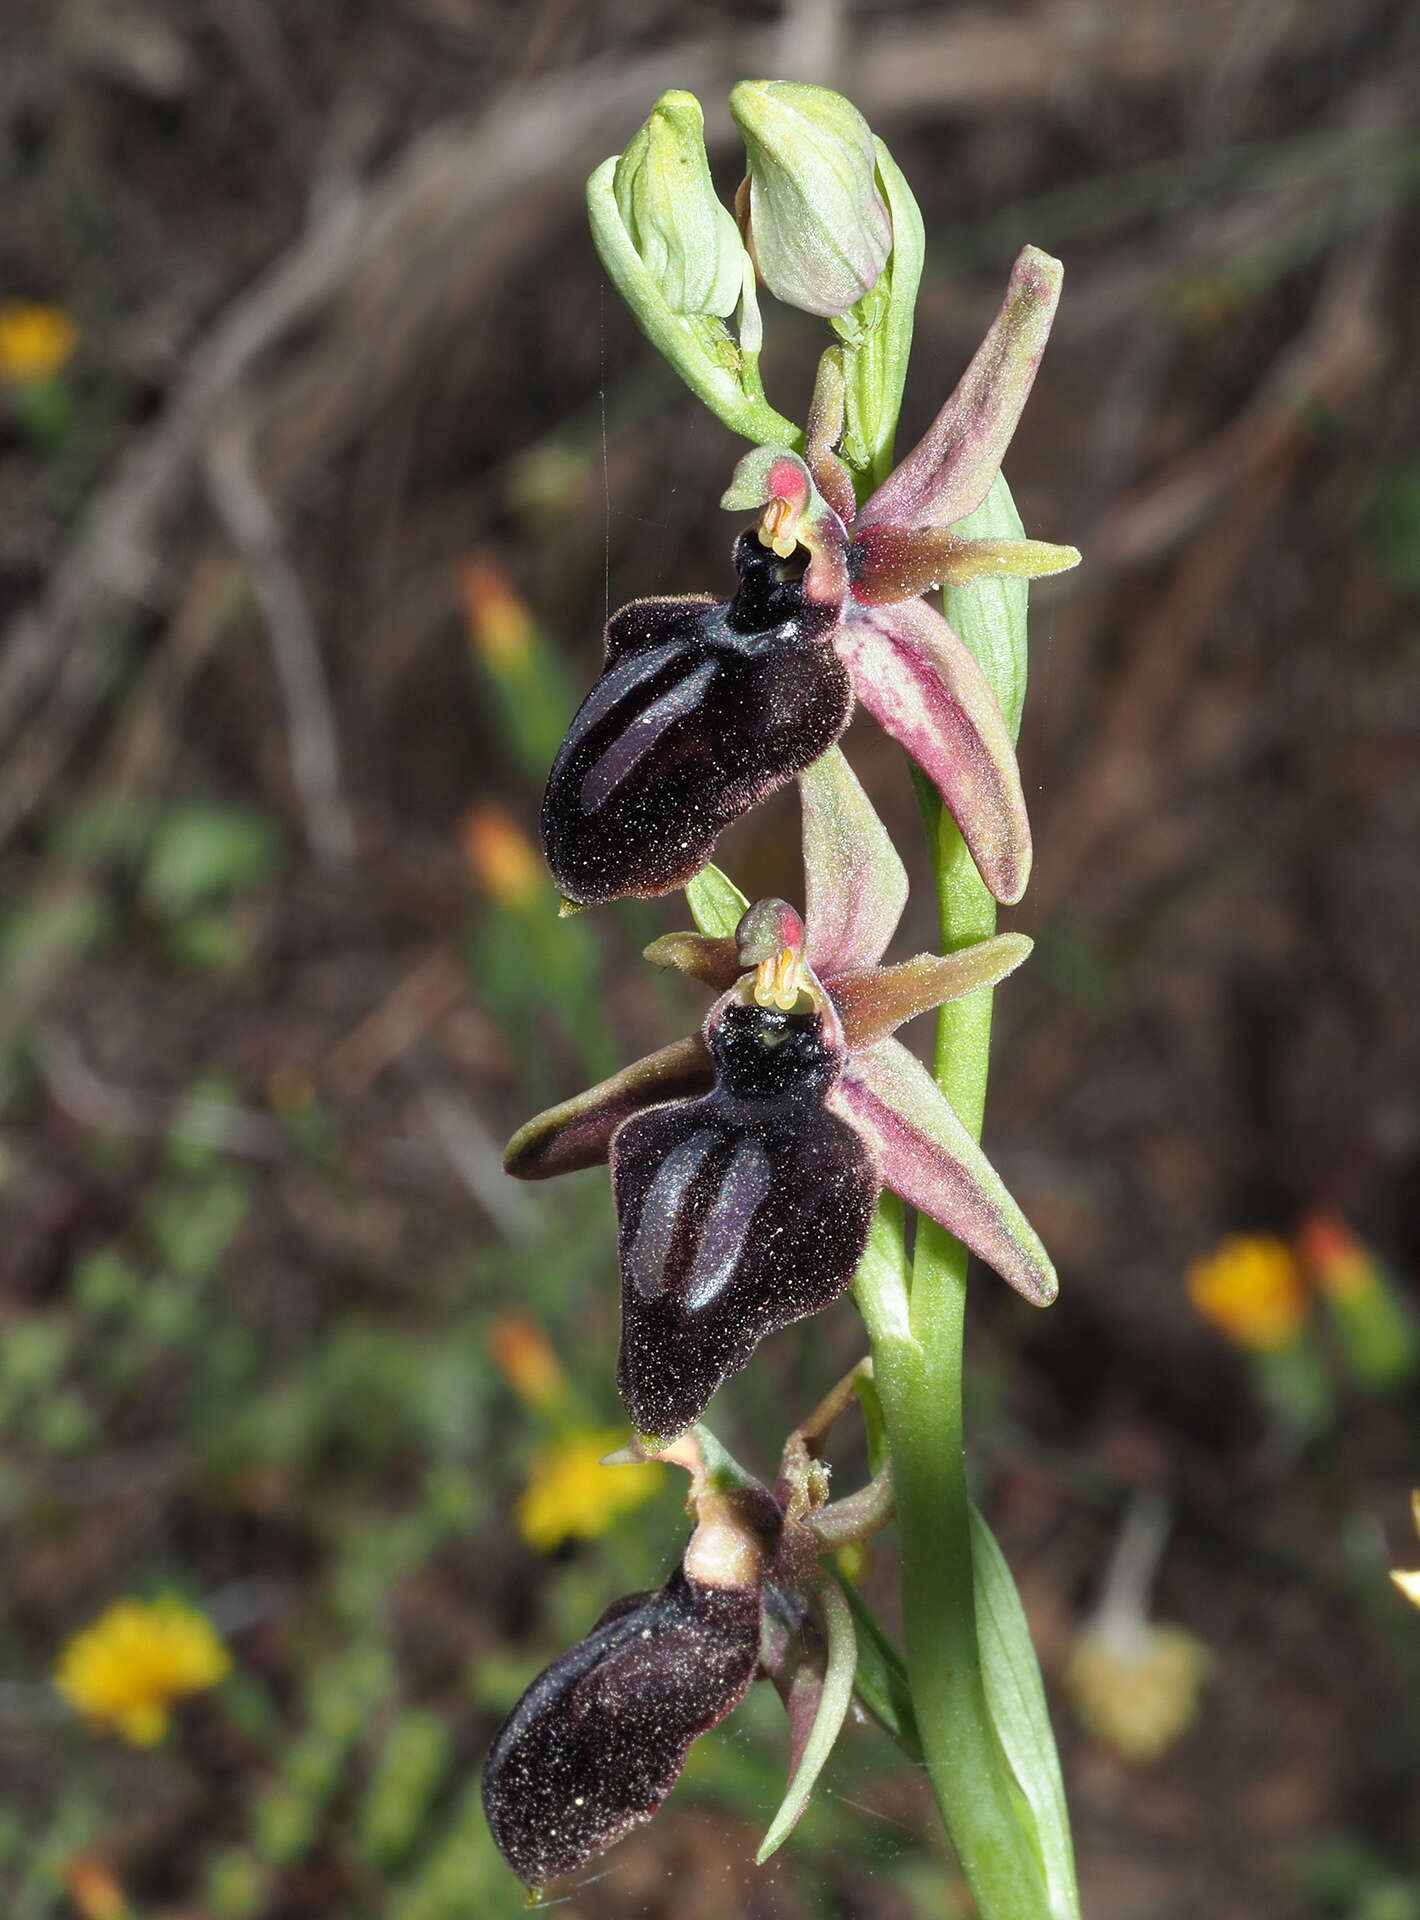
x=738, y=1212
x=702, y=708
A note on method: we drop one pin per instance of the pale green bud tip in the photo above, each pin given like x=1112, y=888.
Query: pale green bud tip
x=816, y=225
x=688, y=241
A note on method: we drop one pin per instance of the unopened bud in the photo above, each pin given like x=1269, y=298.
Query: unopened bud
x=815, y=223
x=687, y=240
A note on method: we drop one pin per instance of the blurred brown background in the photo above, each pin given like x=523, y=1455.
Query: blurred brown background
x=265, y=1017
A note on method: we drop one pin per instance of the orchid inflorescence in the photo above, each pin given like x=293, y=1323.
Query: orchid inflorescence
x=748, y=1161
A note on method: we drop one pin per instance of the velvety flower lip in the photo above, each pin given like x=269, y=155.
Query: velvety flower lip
x=740, y=1211
x=746, y=1165
x=908, y=668
x=856, y=888
x=599, y=1739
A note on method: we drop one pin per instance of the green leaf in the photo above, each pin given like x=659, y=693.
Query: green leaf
x=880, y=1680
x=836, y=1693
x=192, y=1223
x=1015, y=1697
x=716, y=903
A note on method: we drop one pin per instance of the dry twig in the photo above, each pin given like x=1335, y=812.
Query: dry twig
x=295, y=647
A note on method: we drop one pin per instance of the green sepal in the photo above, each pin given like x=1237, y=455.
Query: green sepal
x=880, y=1679
x=835, y=1694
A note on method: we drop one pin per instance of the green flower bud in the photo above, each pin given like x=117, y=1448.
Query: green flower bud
x=814, y=221
x=687, y=240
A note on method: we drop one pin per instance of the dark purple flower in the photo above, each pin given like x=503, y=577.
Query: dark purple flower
x=746, y=1163
x=703, y=709
x=598, y=1740
x=737, y=1212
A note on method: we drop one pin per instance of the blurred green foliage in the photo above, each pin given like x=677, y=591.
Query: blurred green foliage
x=1392, y=526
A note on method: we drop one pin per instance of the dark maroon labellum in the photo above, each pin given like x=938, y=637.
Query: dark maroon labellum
x=738, y=1212
x=701, y=710
x=598, y=1740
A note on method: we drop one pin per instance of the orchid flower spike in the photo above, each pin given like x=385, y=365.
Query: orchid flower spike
x=704, y=708
x=746, y=1162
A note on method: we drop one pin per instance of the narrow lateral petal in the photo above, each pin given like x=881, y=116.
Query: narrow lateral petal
x=855, y=885
x=578, y=1133
x=704, y=958
x=932, y=1161
x=824, y=430
x=950, y=470
x=871, y=1004
x=921, y=685
x=897, y=563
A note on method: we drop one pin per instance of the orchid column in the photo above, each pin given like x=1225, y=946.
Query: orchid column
x=748, y=1160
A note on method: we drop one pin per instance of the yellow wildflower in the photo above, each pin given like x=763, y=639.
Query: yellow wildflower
x=128, y=1667
x=1251, y=1289
x=571, y=1495
x=1409, y=1583
x=499, y=624
x=35, y=341
x=504, y=862
x=1140, y=1695
x=522, y=1354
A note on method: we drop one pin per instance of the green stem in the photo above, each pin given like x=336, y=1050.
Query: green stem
x=917, y=1349
x=919, y=1380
